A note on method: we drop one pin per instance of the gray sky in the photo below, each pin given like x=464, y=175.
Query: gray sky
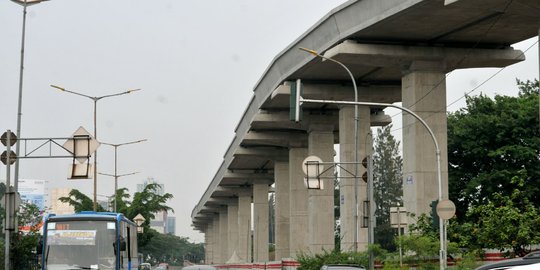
x=197, y=63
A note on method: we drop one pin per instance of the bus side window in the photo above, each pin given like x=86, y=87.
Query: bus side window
x=129, y=243
x=123, y=253
x=39, y=246
x=134, y=247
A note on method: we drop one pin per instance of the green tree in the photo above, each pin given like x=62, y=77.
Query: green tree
x=80, y=201
x=387, y=174
x=147, y=202
x=172, y=249
x=25, y=243
x=505, y=221
x=489, y=142
x=421, y=245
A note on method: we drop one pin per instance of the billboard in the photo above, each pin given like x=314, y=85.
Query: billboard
x=33, y=191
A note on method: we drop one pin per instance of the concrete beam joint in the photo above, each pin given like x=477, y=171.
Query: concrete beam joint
x=270, y=153
x=321, y=128
x=311, y=90
x=377, y=55
x=245, y=175
x=423, y=65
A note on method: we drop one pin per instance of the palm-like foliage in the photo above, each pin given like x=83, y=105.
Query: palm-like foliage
x=80, y=201
x=147, y=203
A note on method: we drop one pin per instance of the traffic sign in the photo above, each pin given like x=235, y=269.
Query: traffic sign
x=312, y=167
x=81, y=145
x=446, y=209
x=12, y=139
x=295, y=112
x=398, y=217
x=12, y=157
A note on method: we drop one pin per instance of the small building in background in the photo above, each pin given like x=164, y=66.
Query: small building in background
x=58, y=207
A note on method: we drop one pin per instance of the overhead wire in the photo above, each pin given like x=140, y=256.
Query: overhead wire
x=474, y=89
x=470, y=50
x=489, y=78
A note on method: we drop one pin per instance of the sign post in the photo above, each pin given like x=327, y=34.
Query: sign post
x=446, y=209
x=398, y=218
x=79, y=147
x=8, y=158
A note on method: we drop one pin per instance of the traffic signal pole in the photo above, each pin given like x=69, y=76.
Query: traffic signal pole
x=7, y=204
x=11, y=197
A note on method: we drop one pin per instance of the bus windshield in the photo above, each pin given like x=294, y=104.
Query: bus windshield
x=80, y=244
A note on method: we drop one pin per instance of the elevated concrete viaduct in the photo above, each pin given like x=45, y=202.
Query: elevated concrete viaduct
x=398, y=51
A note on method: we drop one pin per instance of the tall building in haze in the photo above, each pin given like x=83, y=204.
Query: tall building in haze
x=159, y=223
x=149, y=180
x=171, y=225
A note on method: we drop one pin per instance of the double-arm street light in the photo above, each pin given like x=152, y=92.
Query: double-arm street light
x=116, y=175
x=95, y=100
x=356, y=150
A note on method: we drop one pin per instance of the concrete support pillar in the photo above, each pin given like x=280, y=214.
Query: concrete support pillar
x=321, y=202
x=216, y=256
x=244, y=227
x=348, y=200
x=208, y=243
x=298, y=203
x=232, y=224
x=260, y=222
x=282, y=209
x=223, y=234
x=424, y=92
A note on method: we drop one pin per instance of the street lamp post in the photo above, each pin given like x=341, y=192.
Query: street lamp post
x=116, y=176
x=356, y=160
x=442, y=236
x=24, y=4
x=95, y=100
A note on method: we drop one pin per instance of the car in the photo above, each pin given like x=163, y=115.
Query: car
x=530, y=260
x=534, y=266
x=162, y=266
x=342, y=267
x=145, y=266
x=199, y=267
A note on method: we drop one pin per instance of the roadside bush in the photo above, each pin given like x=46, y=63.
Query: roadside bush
x=310, y=261
x=468, y=261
